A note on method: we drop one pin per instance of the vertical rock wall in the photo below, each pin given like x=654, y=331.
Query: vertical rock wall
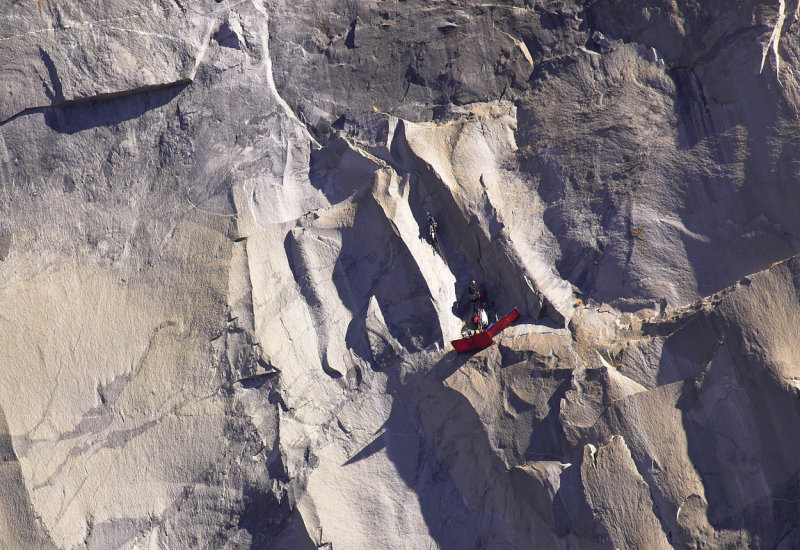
x=223, y=325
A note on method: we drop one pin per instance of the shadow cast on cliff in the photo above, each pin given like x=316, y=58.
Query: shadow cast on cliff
x=470, y=254
x=108, y=110
x=743, y=445
x=729, y=203
x=372, y=262
x=20, y=528
x=338, y=171
x=443, y=452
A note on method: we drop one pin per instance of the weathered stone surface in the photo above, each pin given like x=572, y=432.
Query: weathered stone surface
x=610, y=478
x=73, y=53
x=224, y=326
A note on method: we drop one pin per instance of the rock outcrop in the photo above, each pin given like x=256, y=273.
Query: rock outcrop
x=223, y=324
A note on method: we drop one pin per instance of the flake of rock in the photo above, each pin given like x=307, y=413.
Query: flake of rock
x=610, y=479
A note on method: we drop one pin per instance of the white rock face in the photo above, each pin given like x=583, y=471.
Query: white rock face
x=224, y=324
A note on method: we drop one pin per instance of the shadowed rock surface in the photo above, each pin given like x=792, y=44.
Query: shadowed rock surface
x=224, y=326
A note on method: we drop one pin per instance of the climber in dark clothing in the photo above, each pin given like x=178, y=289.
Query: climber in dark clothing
x=432, y=226
x=474, y=295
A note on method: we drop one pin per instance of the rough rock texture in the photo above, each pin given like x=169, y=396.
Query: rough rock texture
x=223, y=325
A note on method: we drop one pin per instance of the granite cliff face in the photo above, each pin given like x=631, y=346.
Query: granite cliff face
x=223, y=325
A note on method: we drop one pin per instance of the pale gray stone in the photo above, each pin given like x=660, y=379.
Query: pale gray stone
x=224, y=324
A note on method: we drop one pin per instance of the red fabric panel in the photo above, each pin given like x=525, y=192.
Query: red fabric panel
x=509, y=318
x=476, y=341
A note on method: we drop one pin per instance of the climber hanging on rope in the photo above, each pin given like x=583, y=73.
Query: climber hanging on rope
x=432, y=226
x=474, y=296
